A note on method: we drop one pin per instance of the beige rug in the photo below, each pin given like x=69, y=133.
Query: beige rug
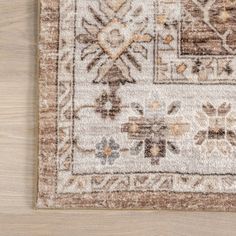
x=137, y=105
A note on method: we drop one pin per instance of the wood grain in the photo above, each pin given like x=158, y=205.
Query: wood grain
x=18, y=127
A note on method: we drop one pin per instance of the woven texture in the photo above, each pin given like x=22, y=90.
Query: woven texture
x=137, y=105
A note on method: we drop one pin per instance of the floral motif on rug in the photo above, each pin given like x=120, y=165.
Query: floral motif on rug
x=137, y=104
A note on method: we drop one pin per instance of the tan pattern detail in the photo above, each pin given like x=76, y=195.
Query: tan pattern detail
x=65, y=86
x=149, y=182
x=219, y=131
x=215, y=23
x=195, y=42
x=112, y=38
x=156, y=135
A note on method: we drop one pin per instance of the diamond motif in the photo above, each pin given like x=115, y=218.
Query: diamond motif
x=115, y=38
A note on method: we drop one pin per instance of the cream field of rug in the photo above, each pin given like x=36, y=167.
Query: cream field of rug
x=137, y=104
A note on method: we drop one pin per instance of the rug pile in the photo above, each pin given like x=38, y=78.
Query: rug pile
x=137, y=105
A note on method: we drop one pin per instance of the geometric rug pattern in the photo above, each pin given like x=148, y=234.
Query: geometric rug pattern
x=137, y=104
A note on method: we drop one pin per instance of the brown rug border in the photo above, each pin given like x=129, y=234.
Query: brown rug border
x=47, y=143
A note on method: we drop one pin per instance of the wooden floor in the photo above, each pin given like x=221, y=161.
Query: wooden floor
x=18, y=155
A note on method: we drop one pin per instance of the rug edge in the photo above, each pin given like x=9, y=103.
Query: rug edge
x=46, y=192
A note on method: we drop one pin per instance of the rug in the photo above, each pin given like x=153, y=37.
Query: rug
x=137, y=104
